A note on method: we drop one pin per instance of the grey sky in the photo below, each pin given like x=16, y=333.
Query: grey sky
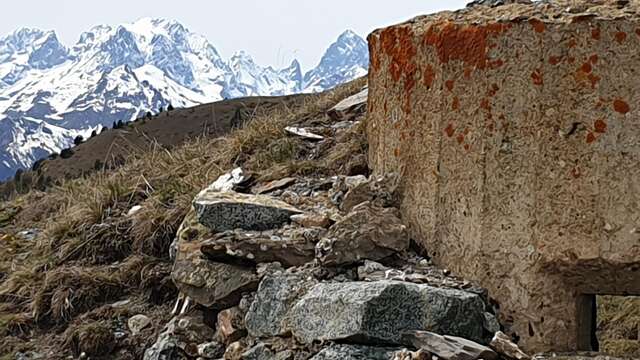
x=273, y=32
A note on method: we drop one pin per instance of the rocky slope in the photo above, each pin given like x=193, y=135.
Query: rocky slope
x=50, y=93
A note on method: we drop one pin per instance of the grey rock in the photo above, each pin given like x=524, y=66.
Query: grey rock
x=137, y=323
x=214, y=285
x=211, y=350
x=366, y=233
x=356, y=352
x=380, y=311
x=277, y=294
x=289, y=245
x=377, y=190
x=491, y=323
x=179, y=339
x=230, y=326
x=273, y=185
x=495, y=3
x=223, y=211
x=448, y=347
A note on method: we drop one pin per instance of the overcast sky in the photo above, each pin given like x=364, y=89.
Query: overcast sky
x=272, y=31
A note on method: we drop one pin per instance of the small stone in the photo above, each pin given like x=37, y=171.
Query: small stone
x=181, y=335
x=448, y=347
x=311, y=220
x=358, y=352
x=504, y=346
x=228, y=181
x=258, y=352
x=137, y=323
x=302, y=132
x=211, y=350
x=230, y=326
x=273, y=185
x=134, y=210
x=350, y=107
x=234, y=351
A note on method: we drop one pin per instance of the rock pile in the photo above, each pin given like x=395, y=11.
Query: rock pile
x=314, y=268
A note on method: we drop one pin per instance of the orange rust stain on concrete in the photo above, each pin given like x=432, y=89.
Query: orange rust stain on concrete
x=538, y=26
x=455, y=105
x=450, y=130
x=536, y=76
x=600, y=126
x=586, y=68
x=555, y=60
x=590, y=138
x=449, y=84
x=620, y=36
x=621, y=106
x=595, y=33
x=593, y=59
x=593, y=79
x=467, y=43
x=428, y=76
x=397, y=44
x=493, y=90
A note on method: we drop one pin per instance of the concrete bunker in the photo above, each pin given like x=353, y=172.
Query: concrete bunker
x=516, y=131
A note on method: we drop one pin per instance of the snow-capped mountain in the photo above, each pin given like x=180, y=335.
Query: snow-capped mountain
x=50, y=93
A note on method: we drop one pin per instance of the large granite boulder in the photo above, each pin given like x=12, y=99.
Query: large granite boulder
x=367, y=232
x=276, y=296
x=223, y=211
x=380, y=311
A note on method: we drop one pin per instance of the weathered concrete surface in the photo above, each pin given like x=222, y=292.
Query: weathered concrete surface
x=515, y=130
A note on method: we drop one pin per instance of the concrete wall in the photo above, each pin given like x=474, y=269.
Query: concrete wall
x=517, y=133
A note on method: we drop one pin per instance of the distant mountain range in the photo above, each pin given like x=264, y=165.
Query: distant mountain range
x=50, y=93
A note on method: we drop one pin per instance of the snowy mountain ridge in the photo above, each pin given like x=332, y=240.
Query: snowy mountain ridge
x=50, y=93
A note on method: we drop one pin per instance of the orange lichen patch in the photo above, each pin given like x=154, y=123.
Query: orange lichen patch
x=555, y=60
x=538, y=26
x=620, y=36
x=496, y=64
x=536, y=76
x=397, y=44
x=467, y=147
x=467, y=72
x=455, y=105
x=450, y=130
x=590, y=138
x=572, y=43
x=449, y=84
x=484, y=104
x=594, y=79
x=621, y=106
x=595, y=33
x=396, y=152
x=593, y=59
x=460, y=138
x=373, y=51
x=428, y=76
x=586, y=68
x=571, y=59
x=493, y=89
x=467, y=43
x=600, y=126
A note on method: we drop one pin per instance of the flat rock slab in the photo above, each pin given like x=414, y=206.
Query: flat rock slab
x=352, y=105
x=273, y=185
x=381, y=311
x=304, y=133
x=449, y=347
x=276, y=296
x=211, y=284
x=223, y=211
x=357, y=352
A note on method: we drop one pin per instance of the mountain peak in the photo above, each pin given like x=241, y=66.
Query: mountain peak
x=348, y=35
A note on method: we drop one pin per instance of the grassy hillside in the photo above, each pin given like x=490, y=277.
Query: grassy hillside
x=168, y=129
x=58, y=287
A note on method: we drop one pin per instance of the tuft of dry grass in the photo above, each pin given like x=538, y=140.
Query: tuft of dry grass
x=619, y=325
x=91, y=252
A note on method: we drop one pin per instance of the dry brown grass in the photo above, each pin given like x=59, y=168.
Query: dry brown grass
x=619, y=325
x=91, y=253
